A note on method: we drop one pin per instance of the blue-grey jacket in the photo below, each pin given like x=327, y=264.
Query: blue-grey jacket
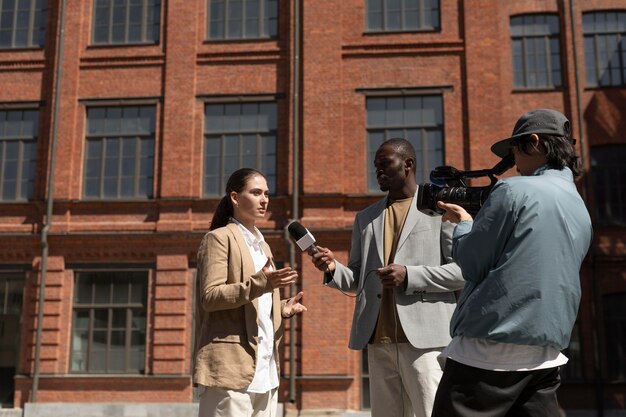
x=521, y=260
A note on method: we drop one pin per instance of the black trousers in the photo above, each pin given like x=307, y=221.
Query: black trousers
x=465, y=391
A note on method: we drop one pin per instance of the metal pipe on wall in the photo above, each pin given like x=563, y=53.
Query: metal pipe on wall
x=49, y=205
x=295, y=195
x=583, y=156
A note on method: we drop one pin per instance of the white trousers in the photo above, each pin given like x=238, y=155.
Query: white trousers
x=403, y=379
x=219, y=402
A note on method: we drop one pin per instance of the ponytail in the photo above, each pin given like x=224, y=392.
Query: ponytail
x=223, y=213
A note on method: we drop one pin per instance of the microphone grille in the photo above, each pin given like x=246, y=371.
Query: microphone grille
x=296, y=230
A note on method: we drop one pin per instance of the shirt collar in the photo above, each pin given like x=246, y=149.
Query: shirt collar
x=564, y=173
x=251, y=239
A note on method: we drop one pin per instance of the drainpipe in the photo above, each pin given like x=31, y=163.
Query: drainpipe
x=583, y=152
x=295, y=195
x=49, y=203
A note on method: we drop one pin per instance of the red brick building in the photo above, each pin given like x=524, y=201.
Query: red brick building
x=122, y=118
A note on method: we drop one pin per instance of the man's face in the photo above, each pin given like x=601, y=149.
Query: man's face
x=391, y=170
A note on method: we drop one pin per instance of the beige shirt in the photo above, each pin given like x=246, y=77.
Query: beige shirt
x=388, y=328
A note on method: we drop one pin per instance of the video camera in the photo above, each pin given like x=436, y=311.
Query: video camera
x=455, y=190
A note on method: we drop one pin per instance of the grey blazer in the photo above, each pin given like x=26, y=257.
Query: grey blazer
x=425, y=248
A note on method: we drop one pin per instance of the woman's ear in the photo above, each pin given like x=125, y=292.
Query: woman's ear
x=233, y=198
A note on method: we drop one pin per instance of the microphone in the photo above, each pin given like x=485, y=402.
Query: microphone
x=304, y=239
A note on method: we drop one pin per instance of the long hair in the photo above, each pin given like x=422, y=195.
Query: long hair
x=560, y=152
x=236, y=182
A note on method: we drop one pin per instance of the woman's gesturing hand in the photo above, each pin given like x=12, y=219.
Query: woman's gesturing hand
x=281, y=277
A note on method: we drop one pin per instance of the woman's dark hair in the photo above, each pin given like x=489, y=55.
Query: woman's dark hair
x=236, y=182
x=560, y=152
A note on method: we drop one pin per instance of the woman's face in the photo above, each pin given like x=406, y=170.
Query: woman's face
x=251, y=202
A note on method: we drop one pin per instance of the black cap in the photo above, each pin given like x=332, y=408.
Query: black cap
x=546, y=121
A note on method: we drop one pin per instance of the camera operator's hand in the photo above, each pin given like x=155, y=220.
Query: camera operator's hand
x=323, y=259
x=392, y=275
x=454, y=213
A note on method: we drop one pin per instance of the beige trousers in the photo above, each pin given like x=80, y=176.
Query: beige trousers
x=403, y=379
x=219, y=402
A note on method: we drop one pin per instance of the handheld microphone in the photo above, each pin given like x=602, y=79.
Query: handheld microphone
x=304, y=239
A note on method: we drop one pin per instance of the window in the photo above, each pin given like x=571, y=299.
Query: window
x=609, y=184
x=402, y=15
x=18, y=154
x=23, y=23
x=615, y=335
x=119, y=156
x=117, y=22
x=238, y=135
x=418, y=119
x=605, y=48
x=109, y=322
x=242, y=19
x=536, y=51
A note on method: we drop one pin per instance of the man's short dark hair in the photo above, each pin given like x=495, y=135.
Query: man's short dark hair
x=402, y=147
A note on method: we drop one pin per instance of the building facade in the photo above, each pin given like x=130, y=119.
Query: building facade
x=120, y=121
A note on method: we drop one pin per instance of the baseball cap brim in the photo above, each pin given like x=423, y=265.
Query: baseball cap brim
x=503, y=147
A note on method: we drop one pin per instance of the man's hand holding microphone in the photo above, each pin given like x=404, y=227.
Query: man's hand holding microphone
x=390, y=276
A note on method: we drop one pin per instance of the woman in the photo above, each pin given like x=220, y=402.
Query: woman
x=239, y=311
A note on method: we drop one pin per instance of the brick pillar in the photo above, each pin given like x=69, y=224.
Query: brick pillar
x=54, y=351
x=173, y=315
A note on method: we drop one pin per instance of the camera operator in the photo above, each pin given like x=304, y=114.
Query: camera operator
x=521, y=259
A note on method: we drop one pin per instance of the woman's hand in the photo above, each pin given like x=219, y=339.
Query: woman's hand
x=292, y=306
x=280, y=278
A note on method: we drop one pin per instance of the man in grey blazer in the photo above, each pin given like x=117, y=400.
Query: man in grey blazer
x=401, y=269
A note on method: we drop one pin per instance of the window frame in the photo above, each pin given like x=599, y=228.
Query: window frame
x=595, y=37
x=547, y=52
x=128, y=329
x=613, y=171
x=221, y=135
x=122, y=137
x=384, y=13
x=263, y=21
x=21, y=195
x=155, y=26
x=32, y=32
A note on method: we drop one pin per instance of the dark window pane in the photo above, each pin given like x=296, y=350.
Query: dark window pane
x=234, y=138
x=18, y=153
x=604, y=34
x=240, y=19
x=126, y=134
x=615, y=333
x=104, y=340
x=609, y=184
x=402, y=15
x=122, y=22
x=535, y=51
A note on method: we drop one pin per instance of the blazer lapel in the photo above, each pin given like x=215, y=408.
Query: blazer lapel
x=412, y=218
x=378, y=227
